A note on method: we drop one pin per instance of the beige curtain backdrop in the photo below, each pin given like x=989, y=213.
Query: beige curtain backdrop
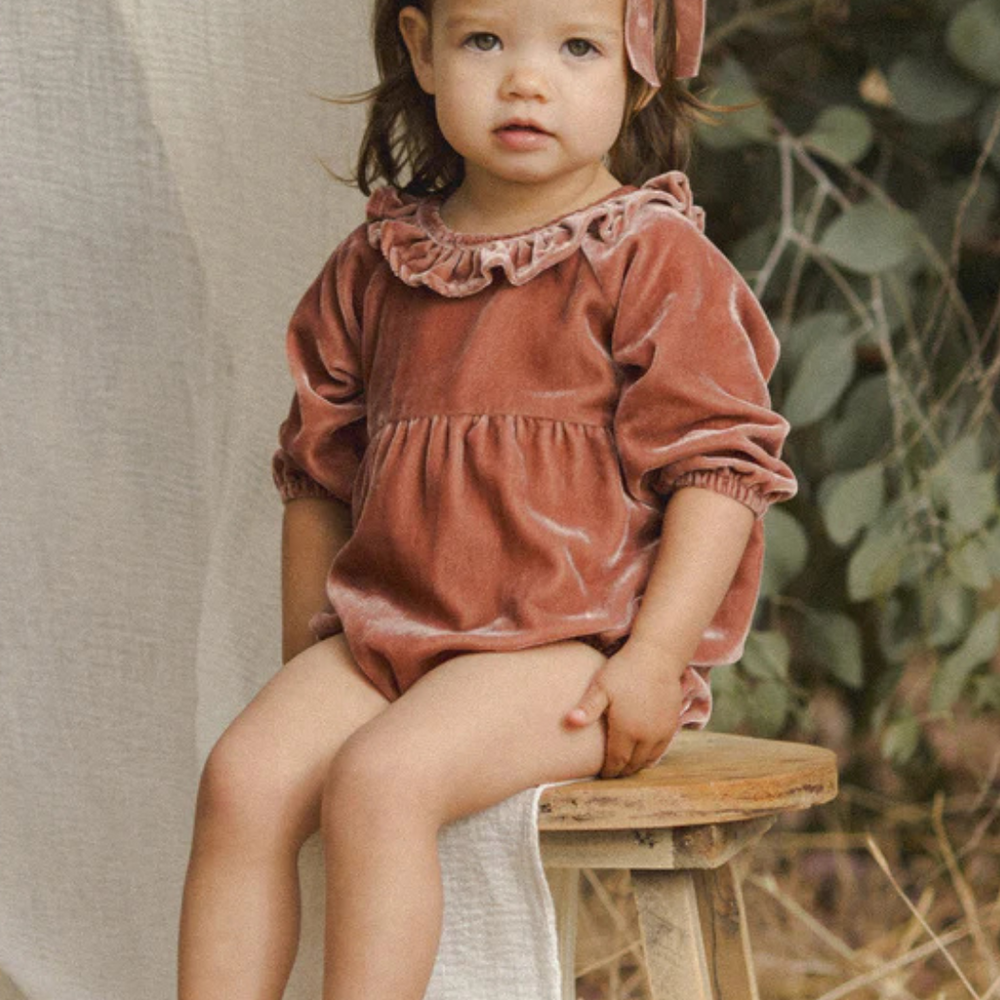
x=162, y=208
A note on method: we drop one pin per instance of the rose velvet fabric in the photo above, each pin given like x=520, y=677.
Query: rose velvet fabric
x=640, y=38
x=507, y=418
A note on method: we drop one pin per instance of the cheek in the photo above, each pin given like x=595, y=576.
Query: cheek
x=602, y=120
x=458, y=113
x=452, y=100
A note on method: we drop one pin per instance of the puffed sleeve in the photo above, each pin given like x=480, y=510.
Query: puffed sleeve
x=696, y=351
x=324, y=437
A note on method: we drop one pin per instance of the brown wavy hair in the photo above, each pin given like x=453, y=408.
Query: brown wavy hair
x=404, y=147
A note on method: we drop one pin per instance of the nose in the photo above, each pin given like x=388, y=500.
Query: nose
x=525, y=79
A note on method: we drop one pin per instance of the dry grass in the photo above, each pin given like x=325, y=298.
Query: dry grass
x=877, y=900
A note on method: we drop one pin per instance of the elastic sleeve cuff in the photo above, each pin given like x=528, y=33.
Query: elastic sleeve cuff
x=323, y=624
x=725, y=482
x=301, y=487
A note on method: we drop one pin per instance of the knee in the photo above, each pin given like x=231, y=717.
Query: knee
x=369, y=788
x=238, y=794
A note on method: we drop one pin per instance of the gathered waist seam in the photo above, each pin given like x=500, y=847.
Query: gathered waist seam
x=520, y=416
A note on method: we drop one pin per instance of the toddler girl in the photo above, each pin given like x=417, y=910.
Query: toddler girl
x=524, y=470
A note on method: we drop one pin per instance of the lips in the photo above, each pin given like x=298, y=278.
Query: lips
x=522, y=135
x=522, y=125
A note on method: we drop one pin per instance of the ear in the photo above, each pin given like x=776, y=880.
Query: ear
x=415, y=28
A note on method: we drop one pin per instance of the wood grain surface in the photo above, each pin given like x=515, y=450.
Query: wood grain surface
x=703, y=778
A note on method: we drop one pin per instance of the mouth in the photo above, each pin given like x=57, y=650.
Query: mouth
x=522, y=126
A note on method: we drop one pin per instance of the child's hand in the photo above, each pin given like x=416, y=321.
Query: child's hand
x=640, y=690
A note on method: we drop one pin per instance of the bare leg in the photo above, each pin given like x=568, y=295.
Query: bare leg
x=258, y=802
x=476, y=730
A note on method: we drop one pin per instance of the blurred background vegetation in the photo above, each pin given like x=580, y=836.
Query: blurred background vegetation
x=859, y=196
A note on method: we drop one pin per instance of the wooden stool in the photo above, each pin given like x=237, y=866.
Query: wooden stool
x=679, y=827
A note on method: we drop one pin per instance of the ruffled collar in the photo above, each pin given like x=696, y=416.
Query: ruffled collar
x=422, y=250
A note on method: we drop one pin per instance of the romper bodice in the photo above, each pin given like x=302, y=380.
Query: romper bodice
x=508, y=416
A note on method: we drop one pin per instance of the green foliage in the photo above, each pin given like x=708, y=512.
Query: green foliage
x=870, y=238
x=901, y=737
x=840, y=133
x=786, y=552
x=850, y=502
x=836, y=638
x=871, y=158
x=825, y=371
x=974, y=39
x=929, y=91
x=977, y=649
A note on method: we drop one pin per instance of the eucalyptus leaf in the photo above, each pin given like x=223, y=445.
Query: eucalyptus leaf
x=952, y=608
x=876, y=563
x=836, y=641
x=841, y=132
x=853, y=503
x=801, y=336
x=973, y=39
x=766, y=655
x=730, y=696
x=901, y=738
x=825, y=372
x=785, y=553
x=768, y=707
x=965, y=455
x=738, y=128
x=749, y=253
x=953, y=673
x=870, y=237
x=971, y=564
x=917, y=564
x=732, y=73
x=928, y=91
x=971, y=499
x=900, y=632
x=861, y=434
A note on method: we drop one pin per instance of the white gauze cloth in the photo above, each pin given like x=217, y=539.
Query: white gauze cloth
x=499, y=938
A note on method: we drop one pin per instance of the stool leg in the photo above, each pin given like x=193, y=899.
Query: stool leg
x=671, y=935
x=725, y=933
x=695, y=936
x=564, y=884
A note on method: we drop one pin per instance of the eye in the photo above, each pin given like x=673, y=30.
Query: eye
x=579, y=47
x=482, y=41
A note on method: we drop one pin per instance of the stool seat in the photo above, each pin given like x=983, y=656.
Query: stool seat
x=703, y=778
x=679, y=828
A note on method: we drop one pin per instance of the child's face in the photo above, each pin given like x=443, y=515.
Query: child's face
x=498, y=67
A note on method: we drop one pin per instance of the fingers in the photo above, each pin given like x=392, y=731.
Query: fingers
x=617, y=755
x=658, y=751
x=591, y=706
x=642, y=755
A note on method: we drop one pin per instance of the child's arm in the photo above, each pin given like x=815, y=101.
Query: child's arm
x=694, y=425
x=703, y=539
x=313, y=532
x=323, y=440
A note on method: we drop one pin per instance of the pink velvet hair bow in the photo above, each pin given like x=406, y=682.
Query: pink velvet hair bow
x=640, y=42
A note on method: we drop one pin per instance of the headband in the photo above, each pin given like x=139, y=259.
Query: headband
x=640, y=42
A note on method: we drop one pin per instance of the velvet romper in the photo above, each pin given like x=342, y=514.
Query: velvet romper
x=507, y=418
